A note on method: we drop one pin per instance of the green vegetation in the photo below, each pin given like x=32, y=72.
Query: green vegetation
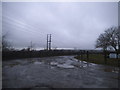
x=14, y=64
x=98, y=59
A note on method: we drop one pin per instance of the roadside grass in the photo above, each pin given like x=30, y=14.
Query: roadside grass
x=99, y=59
x=14, y=64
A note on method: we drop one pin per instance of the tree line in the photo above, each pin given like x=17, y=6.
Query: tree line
x=109, y=40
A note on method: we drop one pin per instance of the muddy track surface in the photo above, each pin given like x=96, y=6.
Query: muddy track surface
x=57, y=72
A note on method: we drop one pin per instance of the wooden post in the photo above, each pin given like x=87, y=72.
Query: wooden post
x=87, y=56
x=117, y=54
x=81, y=55
x=118, y=59
x=105, y=57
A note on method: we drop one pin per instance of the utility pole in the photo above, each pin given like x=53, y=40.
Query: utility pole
x=30, y=45
x=48, y=41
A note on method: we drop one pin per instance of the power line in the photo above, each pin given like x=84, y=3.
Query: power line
x=19, y=23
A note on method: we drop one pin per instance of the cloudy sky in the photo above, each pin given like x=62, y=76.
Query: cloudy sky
x=72, y=24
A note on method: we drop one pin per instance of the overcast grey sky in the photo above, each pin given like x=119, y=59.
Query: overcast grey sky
x=72, y=24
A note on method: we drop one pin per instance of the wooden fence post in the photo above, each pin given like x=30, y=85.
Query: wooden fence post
x=81, y=55
x=105, y=57
x=117, y=54
x=87, y=56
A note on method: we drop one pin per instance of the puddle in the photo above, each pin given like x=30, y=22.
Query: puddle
x=84, y=65
x=52, y=67
x=116, y=70
x=69, y=61
x=92, y=64
x=84, y=62
x=53, y=63
x=37, y=62
x=65, y=66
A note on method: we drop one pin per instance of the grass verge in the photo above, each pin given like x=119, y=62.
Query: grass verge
x=99, y=59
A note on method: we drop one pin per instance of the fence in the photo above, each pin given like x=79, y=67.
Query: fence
x=100, y=57
x=7, y=55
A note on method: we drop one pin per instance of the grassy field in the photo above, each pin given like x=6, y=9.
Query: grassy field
x=99, y=59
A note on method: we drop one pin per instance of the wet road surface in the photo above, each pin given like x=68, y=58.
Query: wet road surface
x=57, y=72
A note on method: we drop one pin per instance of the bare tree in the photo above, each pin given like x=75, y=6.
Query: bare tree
x=5, y=44
x=110, y=38
x=118, y=36
x=102, y=42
